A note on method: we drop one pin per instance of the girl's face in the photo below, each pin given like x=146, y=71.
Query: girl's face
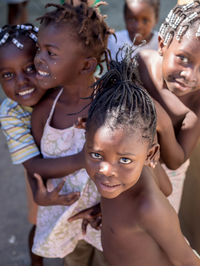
x=59, y=57
x=140, y=20
x=181, y=64
x=17, y=73
x=115, y=159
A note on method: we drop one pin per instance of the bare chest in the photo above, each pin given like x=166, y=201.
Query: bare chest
x=125, y=242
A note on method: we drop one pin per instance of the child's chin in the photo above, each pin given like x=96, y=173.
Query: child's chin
x=109, y=195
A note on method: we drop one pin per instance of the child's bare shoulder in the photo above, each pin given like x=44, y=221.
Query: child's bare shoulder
x=152, y=202
x=147, y=56
x=44, y=106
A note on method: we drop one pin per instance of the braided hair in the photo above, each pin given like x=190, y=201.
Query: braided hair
x=153, y=3
x=12, y=34
x=179, y=20
x=121, y=101
x=86, y=22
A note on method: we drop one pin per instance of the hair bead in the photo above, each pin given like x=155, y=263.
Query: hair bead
x=17, y=43
x=33, y=36
x=4, y=39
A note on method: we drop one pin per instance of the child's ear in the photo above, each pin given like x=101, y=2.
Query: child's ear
x=161, y=46
x=153, y=155
x=89, y=65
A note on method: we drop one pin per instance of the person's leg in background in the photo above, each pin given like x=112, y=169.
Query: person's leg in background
x=85, y=255
x=32, y=218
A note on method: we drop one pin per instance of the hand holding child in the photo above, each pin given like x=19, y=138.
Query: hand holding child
x=81, y=123
x=45, y=198
x=90, y=216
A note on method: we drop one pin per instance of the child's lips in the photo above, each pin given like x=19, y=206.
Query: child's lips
x=183, y=86
x=26, y=92
x=106, y=186
x=42, y=73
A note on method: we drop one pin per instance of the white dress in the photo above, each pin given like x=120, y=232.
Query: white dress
x=55, y=236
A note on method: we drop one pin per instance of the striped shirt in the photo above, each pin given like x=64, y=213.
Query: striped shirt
x=16, y=125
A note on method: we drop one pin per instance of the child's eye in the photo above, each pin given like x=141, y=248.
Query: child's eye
x=7, y=75
x=30, y=69
x=125, y=160
x=95, y=155
x=145, y=20
x=51, y=53
x=183, y=59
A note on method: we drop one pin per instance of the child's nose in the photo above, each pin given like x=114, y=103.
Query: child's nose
x=21, y=79
x=191, y=76
x=38, y=58
x=106, y=169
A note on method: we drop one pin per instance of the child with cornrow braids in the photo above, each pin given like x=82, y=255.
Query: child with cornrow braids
x=72, y=41
x=139, y=226
x=18, y=80
x=171, y=76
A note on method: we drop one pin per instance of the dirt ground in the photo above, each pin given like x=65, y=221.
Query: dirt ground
x=14, y=227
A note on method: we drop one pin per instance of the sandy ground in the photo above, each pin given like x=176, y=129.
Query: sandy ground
x=13, y=222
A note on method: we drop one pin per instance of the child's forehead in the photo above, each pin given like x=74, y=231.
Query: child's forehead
x=9, y=51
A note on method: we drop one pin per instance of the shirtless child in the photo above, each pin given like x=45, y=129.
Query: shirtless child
x=139, y=226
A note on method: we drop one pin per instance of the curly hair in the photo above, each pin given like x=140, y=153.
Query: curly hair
x=86, y=22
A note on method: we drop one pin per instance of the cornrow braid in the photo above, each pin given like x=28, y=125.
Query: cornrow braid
x=12, y=33
x=179, y=20
x=86, y=22
x=120, y=100
x=154, y=3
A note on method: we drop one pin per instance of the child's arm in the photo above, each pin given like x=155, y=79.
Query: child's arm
x=161, y=222
x=171, y=152
x=162, y=180
x=175, y=150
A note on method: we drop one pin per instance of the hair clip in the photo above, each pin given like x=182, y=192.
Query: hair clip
x=167, y=38
x=17, y=43
x=179, y=33
x=168, y=18
x=198, y=32
x=172, y=19
x=191, y=17
x=162, y=30
x=33, y=36
x=188, y=6
x=4, y=39
x=176, y=23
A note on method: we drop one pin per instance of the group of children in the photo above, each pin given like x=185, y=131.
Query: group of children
x=104, y=137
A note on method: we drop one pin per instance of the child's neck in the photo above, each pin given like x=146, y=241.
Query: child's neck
x=80, y=89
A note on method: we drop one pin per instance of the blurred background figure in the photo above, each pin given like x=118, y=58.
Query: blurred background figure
x=140, y=17
x=17, y=11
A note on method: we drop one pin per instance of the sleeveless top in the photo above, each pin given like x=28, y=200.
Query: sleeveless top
x=55, y=236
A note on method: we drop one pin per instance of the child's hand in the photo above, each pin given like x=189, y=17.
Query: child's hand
x=81, y=123
x=45, y=198
x=90, y=216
